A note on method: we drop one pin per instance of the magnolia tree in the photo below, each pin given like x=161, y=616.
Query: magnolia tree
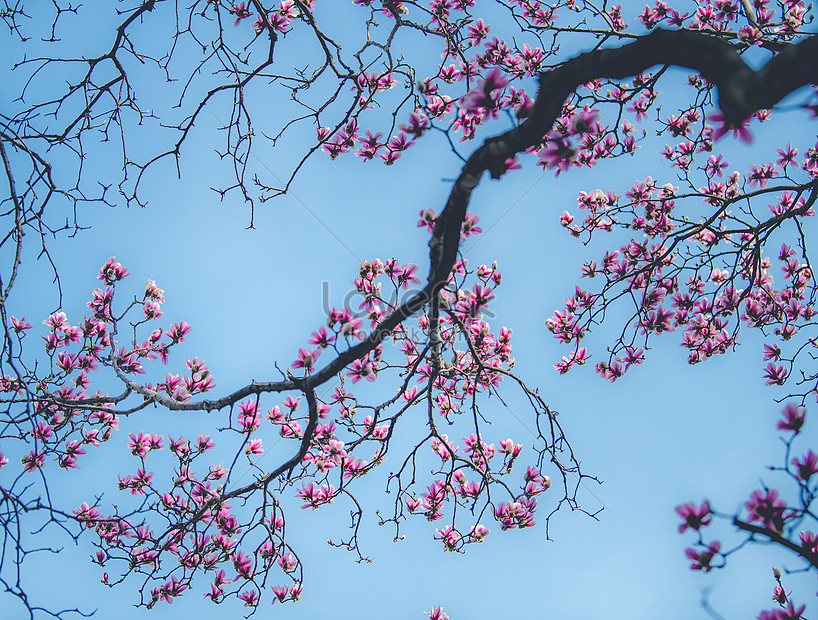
x=703, y=255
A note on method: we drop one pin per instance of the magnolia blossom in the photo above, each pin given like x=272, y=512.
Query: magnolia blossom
x=702, y=559
x=794, y=417
x=485, y=94
x=693, y=516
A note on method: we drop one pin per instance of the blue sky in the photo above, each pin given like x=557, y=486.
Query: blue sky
x=666, y=434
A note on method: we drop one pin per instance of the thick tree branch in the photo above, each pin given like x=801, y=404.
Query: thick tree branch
x=777, y=538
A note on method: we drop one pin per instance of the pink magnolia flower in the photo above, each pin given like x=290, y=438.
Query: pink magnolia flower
x=480, y=295
x=249, y=416
x=794, y=417
x=566, y=219
x=167, y=592
x=323, y=133
x=321, y=338
x=57, y=321
x=315, y=496
x=806, y=466
x=702, y=559
x=809, y=540
x=767, y=508
x=469, y=489
x=240, y=12
x=478, y=533
x=694, y=517
x=418, y=124
x=485, y=94
x=137, y=482
x=739, y=131
x=427, y=219
x=415, y=503
x=390, y=157
x=139, y=444
x=786, y=156
x=788, y=613
x=154, y=292
x=152, y=310
x=371, y=146
x=287, y=563
x=478, y=31
x=296, y=590
x=437, y=614
x=178, y=331
x=291, y=429
x=112, y=272
x=406, y=275
x=585, y=121
x=450, y=538
x=20, y=324
x=260, y=25
x=250, y=598
x=558, y=154
x=470, y=226
x=203, y=443
x=288, y=9
x=400, y=142
x=215, y=593
x=362, y=369
x=280, y=593
x=715, y=165
x=760, y=175
x=775, y=375
x=532, y=474
x=306, y=359
x=217, y=472
x=69, y=459
x=275, y=415
x=253, y=447
x=243, y=564
x=771, y=352
x=180, y=447
x=66, y=361
x=86, y=514
x=291, y=403
x=353, y=467
x=33, y=460
x=510, y=448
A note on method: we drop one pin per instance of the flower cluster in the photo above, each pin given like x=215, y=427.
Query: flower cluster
x=650, y=272
x=768, y=514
